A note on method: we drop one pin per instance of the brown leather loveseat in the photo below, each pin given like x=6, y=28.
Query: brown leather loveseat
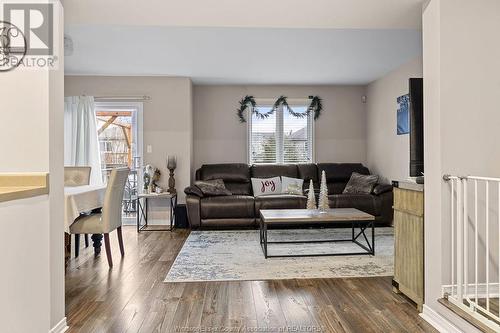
x=241, y=209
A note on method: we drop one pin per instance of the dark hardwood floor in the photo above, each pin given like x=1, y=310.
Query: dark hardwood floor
x=132, y=297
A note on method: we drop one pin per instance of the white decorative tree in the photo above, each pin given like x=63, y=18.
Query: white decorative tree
x=323, y=194
x=311, y=199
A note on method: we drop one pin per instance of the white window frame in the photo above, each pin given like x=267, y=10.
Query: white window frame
x=296, y=102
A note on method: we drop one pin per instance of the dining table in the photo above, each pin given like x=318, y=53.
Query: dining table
x=80, y=200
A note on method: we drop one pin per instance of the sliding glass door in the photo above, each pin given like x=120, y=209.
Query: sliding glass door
x=119, y=128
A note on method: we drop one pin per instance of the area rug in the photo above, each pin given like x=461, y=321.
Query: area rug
x=237, y=256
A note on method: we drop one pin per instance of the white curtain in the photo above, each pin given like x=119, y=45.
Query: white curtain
x=81, y=143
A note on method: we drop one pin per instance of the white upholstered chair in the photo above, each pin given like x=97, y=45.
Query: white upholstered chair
x=111, y=216
x=77, y=176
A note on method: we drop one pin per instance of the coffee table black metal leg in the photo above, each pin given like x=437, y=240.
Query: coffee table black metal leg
x=373, y=237
x=364, y=226
x=260, y=232
x=265, y=240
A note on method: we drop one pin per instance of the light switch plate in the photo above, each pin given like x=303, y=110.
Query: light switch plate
x=149, y=149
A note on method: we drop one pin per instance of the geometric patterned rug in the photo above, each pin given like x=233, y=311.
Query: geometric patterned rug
x=236, y=255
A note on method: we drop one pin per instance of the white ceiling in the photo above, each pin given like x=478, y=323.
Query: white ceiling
x=242, y=41
x=337, y=14
x=242, y=55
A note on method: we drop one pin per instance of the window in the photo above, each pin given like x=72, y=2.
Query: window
x=281, y=138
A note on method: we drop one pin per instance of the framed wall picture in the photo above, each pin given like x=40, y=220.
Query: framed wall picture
x=403, y=119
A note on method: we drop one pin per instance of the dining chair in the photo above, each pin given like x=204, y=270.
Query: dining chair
x=77, y=176
x=110, y=217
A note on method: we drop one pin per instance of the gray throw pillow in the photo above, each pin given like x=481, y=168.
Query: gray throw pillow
x=360, y=184
x=214, y=187
x=193, y=190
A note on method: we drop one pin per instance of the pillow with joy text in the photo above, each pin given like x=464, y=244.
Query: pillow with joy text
x=266, y=186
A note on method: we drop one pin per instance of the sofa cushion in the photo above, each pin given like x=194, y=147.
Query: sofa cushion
x=233, y=206
x=228, y=172
x=236, y=176
x=335, y=188
x=308, y=172
x=364, y=202
x=341, y=172
x=239, y=188
x=279, y=201
x=273, y=170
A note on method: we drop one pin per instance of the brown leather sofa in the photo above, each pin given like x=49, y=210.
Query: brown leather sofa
x=241, y=209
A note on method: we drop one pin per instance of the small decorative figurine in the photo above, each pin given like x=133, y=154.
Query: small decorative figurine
x=311, y=199
x=147, y=177
x=323, y=204
x=155, y=179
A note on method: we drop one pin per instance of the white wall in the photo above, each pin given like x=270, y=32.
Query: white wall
x=167, y=116
x=462, y=117
x=56, y=170
x=24, y=253
x=340, y=132
x=387, y=152
x=31, y=249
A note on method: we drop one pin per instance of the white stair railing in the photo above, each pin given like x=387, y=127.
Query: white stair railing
x=474, y=237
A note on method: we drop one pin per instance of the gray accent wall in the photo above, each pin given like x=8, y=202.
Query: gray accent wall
x=340, y=132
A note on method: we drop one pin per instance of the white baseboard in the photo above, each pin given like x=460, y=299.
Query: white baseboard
x=61, y=327
x=439, y=322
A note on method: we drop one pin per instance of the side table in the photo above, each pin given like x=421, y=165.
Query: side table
x=142, y=209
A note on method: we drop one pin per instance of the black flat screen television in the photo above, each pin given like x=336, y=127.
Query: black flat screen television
x=416, y=127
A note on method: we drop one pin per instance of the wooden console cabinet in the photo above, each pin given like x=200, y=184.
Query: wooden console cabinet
x=409, y=241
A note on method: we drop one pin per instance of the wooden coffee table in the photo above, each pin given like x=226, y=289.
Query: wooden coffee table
x=303, y=218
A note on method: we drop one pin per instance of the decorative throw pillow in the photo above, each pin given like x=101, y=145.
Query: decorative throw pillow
x=266, y=186
x=291, y=185
x=193, y=190
x=214, y=187
x=360, y=184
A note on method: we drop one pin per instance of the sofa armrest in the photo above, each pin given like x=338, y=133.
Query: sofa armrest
x=385, y=200
x=193, y=210
x=382, y=188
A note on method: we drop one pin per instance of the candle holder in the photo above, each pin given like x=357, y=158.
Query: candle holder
x=171, y=165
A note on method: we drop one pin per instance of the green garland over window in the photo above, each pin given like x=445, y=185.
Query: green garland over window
x=315, y=106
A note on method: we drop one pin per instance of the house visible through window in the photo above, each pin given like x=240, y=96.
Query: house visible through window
x=281, y=137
